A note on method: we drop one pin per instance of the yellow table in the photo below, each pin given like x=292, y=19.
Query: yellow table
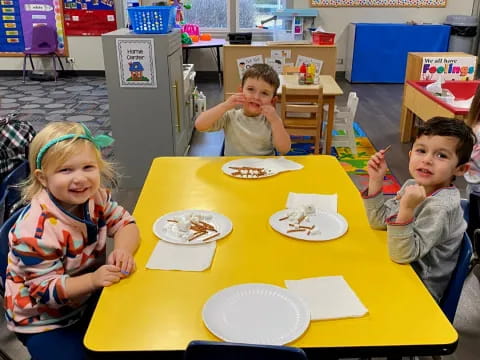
x=162, y=310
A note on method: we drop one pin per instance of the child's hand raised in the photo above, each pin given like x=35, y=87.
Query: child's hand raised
x=376, y=166
x=105, y=275
x=123, y=260
x=412, y=196
x=269, y=111
x=235, y=100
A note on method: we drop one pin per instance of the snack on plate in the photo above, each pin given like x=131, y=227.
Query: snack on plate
x=297, y=216
x=249, y=172
x=192, y=226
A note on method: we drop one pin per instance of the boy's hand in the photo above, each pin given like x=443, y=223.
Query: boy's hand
x=269, y=111
x=412, y=196
x=105, y=275
x=376, y=166
x=123, y=260
x=235, y=100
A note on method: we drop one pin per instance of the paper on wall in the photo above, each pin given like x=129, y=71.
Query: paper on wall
x=244, y=63
x=276, y=63
x=307, y=60
x=284, y=53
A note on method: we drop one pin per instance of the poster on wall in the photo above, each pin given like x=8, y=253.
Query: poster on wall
x=11, y=34
x=136, y=63
x=448, y=68
x=42, y=12
x=378, y=3
x=89, y=17
x=244, y=63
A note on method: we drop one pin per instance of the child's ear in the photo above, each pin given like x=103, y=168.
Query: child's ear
x=239, y=89
x=461, y=169
x=274, y=100
x=409, y=154
x=40, y=176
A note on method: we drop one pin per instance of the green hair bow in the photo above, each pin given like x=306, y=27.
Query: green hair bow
x=100, y=142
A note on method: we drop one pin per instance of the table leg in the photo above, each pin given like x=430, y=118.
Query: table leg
x=219, y=69
x=331, y=112
x=406, y=125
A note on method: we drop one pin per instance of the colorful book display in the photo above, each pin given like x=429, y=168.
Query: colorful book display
x=11, y=33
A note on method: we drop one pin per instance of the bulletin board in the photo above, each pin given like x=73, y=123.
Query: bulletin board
x=89, y=17
x=378, y=3
x=18, y=17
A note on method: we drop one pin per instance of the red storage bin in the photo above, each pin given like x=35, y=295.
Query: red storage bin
x=323, y=38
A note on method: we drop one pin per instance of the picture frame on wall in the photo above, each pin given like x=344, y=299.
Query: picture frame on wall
x=378, y=3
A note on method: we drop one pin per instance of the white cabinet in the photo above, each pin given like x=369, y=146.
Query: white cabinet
x=147, y=122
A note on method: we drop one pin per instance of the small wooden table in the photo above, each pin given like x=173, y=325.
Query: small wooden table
x=214, y=43
x=419, y=102
x=330, y=91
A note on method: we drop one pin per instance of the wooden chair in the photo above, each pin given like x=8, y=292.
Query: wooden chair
x=302, y=113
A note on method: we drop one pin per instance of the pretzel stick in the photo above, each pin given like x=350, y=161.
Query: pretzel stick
x=211, y=237
x=284, y=218
x=303, y=227
x=387, y=149
x=196, y=235
x=296, y=230
x=208, y=226
x=174, y=221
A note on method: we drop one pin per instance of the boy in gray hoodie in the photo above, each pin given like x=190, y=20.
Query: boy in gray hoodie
x=425, y=222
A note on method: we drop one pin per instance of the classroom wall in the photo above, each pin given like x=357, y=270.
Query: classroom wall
x=337, y=19
x=88, y=55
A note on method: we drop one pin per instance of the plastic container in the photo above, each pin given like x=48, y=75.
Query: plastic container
x=152, y=19
x=323, y=38
x=463, y=30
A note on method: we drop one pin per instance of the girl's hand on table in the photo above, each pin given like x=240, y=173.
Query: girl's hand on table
x=123, y=260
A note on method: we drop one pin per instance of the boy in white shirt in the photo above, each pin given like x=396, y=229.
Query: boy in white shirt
x=255, y=128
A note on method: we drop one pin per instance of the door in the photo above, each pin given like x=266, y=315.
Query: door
x=179, y=125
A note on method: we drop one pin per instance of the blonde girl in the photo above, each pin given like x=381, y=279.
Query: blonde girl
x=57, y=246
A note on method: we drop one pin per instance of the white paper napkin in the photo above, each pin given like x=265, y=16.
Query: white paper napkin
x=168, y=256
x=320, y=202
x=328, y=297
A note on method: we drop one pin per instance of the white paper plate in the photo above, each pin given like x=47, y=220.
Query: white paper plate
x=331, y=225
x=165, y=230
x=248, y=162
x=256, y=314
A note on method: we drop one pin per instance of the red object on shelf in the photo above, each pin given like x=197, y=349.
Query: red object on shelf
x=89, y=22
x=323, y=38
x=461, y=89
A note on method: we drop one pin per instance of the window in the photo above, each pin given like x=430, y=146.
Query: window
x=208, y=14
x=252, y=12
x=215, y=14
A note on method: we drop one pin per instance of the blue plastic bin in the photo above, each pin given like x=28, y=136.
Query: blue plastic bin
x=152, y=19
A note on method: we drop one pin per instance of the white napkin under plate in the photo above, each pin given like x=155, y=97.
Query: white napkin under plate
x=168, y=256
x=328, y=297
x=320, y=202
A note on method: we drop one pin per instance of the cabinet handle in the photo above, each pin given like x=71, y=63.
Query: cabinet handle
x=177, y=102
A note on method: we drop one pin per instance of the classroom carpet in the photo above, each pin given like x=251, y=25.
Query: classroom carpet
x=355, y=166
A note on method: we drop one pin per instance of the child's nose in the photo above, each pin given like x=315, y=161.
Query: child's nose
x=78, y=177
x=428, y=158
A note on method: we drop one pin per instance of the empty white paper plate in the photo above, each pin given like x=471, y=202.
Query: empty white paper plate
x=256, y=314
